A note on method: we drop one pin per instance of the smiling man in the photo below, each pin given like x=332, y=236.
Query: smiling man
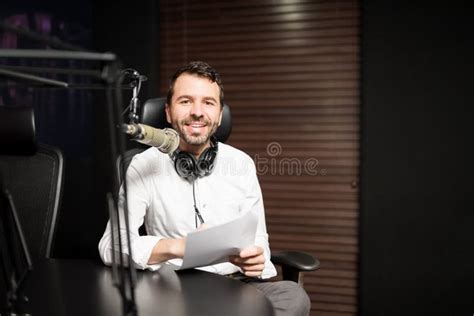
x=174, y=194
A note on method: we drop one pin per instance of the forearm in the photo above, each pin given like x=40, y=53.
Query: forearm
x=166, y=249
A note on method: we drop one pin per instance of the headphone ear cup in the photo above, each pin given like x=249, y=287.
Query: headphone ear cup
x=205, y=165
x=185, y=165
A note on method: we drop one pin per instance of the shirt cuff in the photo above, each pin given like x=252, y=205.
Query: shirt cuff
x=143, y=248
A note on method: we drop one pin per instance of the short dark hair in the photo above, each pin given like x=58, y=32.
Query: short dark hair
x=200, y=69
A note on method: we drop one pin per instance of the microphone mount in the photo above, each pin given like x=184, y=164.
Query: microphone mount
x=135, y=84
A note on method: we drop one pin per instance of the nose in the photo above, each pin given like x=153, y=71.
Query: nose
x=197, y=109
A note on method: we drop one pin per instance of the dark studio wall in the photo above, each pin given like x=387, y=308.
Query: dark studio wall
x=417, y=218
x=132, y=32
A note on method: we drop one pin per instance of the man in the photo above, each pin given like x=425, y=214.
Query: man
x=203, y=181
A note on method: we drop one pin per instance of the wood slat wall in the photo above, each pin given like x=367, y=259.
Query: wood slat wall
x=291, y=75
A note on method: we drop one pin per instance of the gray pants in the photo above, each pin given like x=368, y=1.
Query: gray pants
x=287, y=297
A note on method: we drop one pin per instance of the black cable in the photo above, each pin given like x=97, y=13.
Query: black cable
x=197, y=214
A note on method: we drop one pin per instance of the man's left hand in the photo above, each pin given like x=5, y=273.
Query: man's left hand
x=251, y=260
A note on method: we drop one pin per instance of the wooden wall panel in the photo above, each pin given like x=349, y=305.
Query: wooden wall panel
x=291, y=75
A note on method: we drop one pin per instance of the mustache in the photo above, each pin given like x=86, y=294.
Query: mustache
x=190, y=120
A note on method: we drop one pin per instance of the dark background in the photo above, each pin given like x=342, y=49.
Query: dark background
x=417, y=207
x=416, y=218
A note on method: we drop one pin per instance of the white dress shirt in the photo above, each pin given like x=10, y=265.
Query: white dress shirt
x=160, y=198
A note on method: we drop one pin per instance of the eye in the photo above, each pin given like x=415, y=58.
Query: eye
x=210, y=103
x=184, y=101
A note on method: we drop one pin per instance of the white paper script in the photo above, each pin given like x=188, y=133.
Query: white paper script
x=215, y=244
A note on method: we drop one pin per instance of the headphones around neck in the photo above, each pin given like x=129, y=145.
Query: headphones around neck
x=190, y=168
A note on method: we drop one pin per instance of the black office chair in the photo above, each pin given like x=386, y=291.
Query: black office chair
x=153, y=114
x=33, y=175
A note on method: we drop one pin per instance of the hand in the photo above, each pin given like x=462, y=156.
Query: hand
x=202, y=227
x=251, y=260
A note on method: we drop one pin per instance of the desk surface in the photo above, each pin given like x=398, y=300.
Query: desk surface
x=83, y=287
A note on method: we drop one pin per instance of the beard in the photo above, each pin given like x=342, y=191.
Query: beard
x=180, y=127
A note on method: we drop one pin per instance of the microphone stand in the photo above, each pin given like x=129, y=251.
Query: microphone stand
x=125, y=282
x=134, y=102
x=12, y=271
x=124, y=279
x=20, y=75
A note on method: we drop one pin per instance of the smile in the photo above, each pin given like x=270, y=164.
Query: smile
x=197, y=125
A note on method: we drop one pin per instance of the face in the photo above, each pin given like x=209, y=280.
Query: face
x=195, y=111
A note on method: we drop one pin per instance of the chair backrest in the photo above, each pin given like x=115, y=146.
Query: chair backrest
x=33, y=174
x=153, y=114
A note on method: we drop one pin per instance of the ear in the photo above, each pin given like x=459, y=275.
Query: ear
x=167, y=110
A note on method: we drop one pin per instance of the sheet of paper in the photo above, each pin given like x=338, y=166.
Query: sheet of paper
x=215, y=244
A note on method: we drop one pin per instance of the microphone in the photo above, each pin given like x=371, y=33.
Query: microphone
x=166, y=140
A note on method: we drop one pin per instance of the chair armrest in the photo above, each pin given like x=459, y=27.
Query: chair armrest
x=294, y=262
x=298, y=260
